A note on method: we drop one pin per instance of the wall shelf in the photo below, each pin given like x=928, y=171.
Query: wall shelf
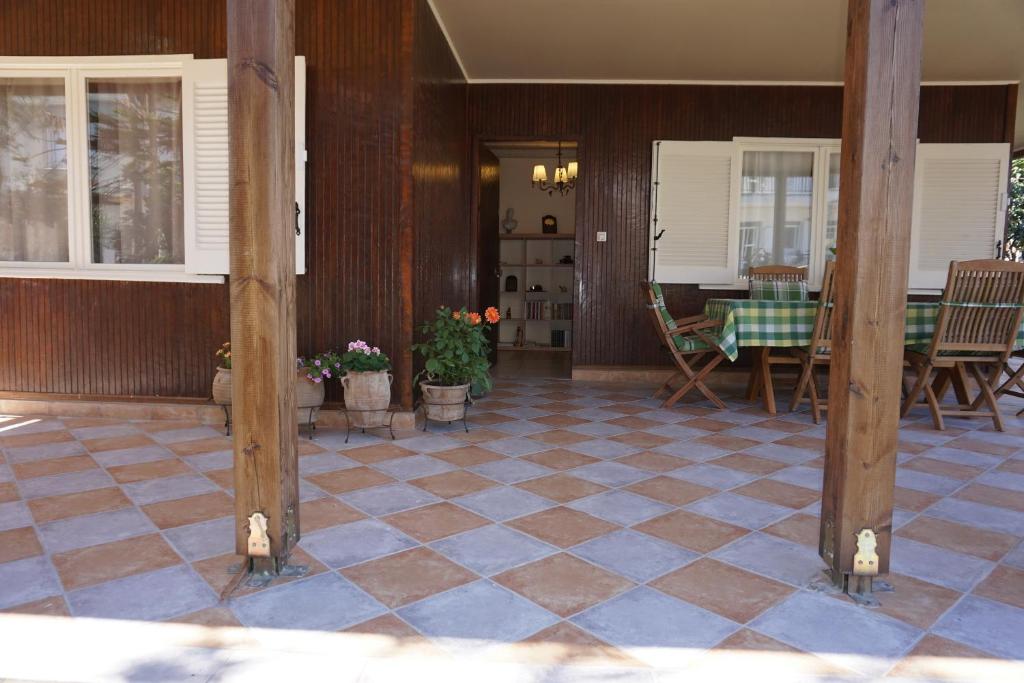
x=543, y=316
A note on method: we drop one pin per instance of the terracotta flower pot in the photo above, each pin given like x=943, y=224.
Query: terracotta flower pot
x=222, y=387
x=444, y=403
x=367, y=397
x=308, y=395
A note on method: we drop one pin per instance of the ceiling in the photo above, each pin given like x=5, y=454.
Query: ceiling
x=715, y=40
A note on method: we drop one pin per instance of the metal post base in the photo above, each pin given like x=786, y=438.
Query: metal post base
x=259, y=572
x=861, y=589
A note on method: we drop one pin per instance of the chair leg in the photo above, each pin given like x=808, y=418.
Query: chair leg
x=754, y=382
x=919, y=384
x=801, y=385
x=813, y=390
x=989, y=396
x=766, y=381
x=936, y=409
x=697, y=381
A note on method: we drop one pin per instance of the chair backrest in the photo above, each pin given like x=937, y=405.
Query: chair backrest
x=981, y=308
x=777, y=273
x=821, y=333
x=663, y=321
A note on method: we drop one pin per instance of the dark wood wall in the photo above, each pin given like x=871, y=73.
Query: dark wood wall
x=122, y=338
x=615, y=125
x=440, y=154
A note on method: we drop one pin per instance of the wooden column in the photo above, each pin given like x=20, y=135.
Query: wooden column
x=880, y=107
x=261, y=74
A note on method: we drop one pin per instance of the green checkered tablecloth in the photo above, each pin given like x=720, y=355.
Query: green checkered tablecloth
x=747, y=322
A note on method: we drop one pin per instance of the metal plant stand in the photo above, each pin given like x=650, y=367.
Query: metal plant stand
x=380, y=423
x=465, y=426
x=309, y=424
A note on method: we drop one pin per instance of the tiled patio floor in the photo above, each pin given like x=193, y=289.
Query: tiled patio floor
x=579, y=518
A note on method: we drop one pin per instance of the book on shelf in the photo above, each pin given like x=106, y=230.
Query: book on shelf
x=561, y=311
x=535, y=310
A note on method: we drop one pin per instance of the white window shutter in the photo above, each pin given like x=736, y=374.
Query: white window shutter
x=205, y=142
x=959, y=208
x=695, y=204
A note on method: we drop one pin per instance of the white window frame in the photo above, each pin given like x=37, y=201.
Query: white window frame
x=75, y=71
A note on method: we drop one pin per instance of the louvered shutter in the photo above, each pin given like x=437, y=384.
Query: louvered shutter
x=205, y=142
x=959, y=208
x=694, y=203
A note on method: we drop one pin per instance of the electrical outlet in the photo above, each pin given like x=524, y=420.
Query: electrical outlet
x=602, y=237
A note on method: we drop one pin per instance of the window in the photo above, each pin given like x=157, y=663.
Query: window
x=116, y=168
x=727, y=206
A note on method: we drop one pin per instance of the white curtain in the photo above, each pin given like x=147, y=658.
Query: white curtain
x=135, y=170
x=33, y=171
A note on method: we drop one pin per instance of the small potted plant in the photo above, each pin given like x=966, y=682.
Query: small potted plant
x=455, y=358
x=367, y=384
x=222, y=380
x=310, y=376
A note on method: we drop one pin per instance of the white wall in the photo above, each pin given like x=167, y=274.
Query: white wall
x=530, y=204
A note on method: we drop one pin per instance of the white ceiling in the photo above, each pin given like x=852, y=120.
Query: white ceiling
x=715, y=40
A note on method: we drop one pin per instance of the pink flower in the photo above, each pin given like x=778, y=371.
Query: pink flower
x=309, y=376
x=317, y=362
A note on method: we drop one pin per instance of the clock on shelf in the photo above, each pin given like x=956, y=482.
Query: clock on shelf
x=549, y=225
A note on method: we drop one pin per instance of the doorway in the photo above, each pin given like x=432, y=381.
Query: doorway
x=526, y=255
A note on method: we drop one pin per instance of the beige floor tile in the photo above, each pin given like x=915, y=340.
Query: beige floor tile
x=746, y=463
x=962, y=538
x=476, y=435
x=562, y=527
x=222, y=478
x=432, y=522
x=942, y=468
x=992, y=495
x=566, y=644
x=807, y=443
x=199, y=446
x=779, y=493
x=1005, y=584
x=691, y=531
x=453, y=484
x=745, y=639
x=52, y=508
x=559, y=420
x=723, y=589
x=562, y=487
x=918, y=603
x=563, y=584
x=559, y=437
x=9, y=492
x=53, y=606
x=654, y=462
x=970, y=443
x=17, y=544
x=385, y=625
x=672, y=491
x=16, y=440
x=800, y=528
x=158, y=469
x=636, y=423
x=100, y=563
x=641, y=439
x=487, y=418
x=211, y=616
x=116, y=443
x=45, y=468
x=708, y=424
x=369, y=455
x=468, y=456
x=342, y=481
x=325, y=512
x=1014, y=466
x=560, y=459
x=780, y=425
x=409, y=576
x=912, y=500
x=181, y=511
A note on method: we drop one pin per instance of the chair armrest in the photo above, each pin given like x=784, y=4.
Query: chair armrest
x=704, y=324
x=691, y=319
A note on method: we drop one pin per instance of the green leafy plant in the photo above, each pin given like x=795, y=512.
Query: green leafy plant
x=455, y=347
x=1015, y=228
x=361, y=357
x=322, y=366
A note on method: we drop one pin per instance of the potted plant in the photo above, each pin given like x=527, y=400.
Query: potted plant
x=455, y=357
x=367, y=384
x=310, y=376
x=222, y=380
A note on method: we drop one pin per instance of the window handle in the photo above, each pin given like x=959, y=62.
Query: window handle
x=298, y=230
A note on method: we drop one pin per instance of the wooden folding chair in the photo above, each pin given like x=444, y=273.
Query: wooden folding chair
x=819, y=351
x=975, y=330
x=1014, y=385
x=761, y=373
x=688, y=341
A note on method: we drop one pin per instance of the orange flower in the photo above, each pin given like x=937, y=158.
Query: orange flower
x=456, y=315
x=492, y=315
x=474, y=318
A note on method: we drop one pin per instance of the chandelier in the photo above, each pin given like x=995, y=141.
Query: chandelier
x=565, y=176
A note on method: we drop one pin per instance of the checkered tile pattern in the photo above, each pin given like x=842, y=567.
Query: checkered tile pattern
x=764, y=322
x=572, y=513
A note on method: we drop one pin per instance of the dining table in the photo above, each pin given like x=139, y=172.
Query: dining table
x=766, y=324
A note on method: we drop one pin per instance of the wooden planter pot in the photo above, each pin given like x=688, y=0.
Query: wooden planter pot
x=367, y=397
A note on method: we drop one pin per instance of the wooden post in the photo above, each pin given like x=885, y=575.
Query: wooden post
x=261, y=79
x=880, y=107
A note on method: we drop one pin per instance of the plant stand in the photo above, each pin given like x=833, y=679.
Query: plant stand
x=380, y=423
x=426, y=419
x=309, y=423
